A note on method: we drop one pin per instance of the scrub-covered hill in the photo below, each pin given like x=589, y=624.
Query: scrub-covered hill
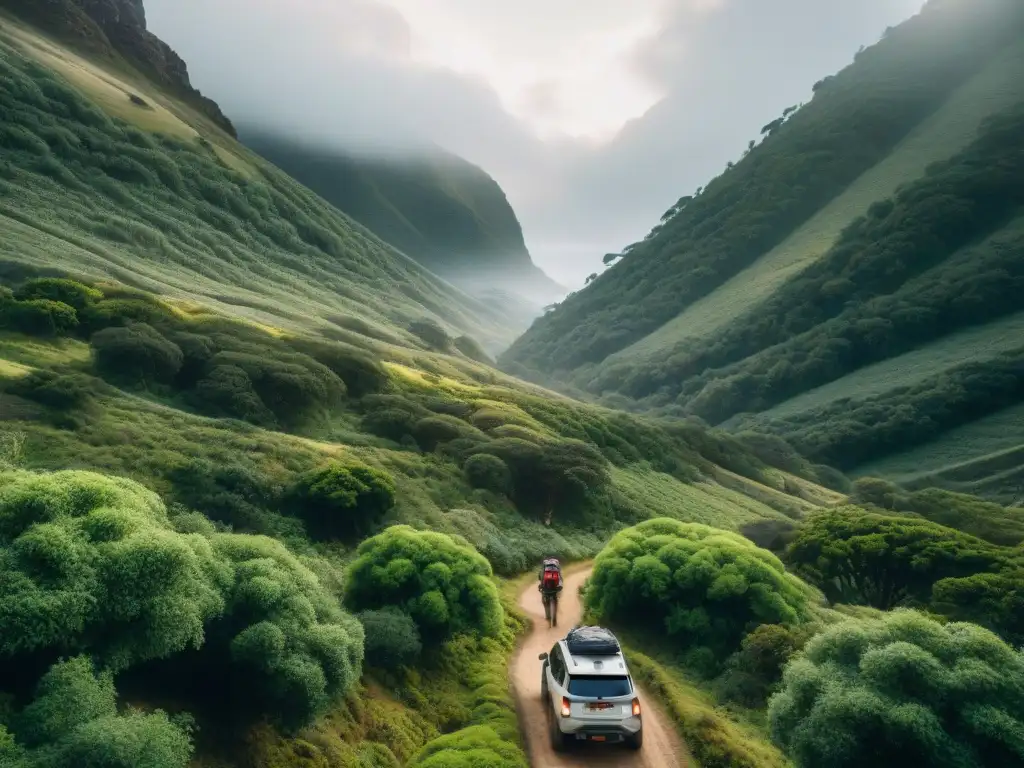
x=851, y=283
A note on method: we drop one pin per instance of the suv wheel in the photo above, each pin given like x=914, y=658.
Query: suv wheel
x=558, y=739
x=544, y=685
x=636, y=741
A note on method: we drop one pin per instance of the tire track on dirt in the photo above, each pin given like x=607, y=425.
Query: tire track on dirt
x=662, y=746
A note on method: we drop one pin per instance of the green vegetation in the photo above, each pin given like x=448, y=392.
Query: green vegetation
x=713, y=739
x=441, y=582
x=438, y=208
x=852, y=298
x=902, y=689
x=703, y=587
x=345, y=502
x=864, y=558
x=186, y=211
x=855, y=119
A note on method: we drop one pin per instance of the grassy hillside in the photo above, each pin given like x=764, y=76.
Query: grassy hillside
x=105, y=176
x=439, y=209
x=854, y=286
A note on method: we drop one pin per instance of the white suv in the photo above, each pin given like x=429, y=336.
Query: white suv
x=589, y=697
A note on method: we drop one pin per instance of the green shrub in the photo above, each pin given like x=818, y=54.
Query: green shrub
x=552, y=477
x=343, y=501
x=39, y=317
x=74, y=294
x=432, y=334
x=474, y=747
x=92, y=563
x=292, y=650
x=432, y=431
x=703, y=588
x=62, y=392
x=471, y=348
x=362, y=373
x=74, y=721
x=392, y=638
x=752, y=672
x=118, y=312
x=440, y=581
x=488, y=472
x=229, y=492
x=227, y=391
x=136, y=354
x=291, y=386
x=902, y=690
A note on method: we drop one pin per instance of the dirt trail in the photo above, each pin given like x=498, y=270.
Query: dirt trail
x=662, y=747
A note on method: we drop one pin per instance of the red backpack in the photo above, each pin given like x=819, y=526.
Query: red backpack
x=552, y=579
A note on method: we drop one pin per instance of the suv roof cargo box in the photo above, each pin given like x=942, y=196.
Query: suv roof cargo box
x=592, y=641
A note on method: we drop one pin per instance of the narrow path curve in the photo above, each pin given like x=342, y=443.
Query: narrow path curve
x=662, y=745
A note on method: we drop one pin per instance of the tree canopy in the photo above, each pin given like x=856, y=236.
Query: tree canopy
x=702, y=587
x=443, y=583
x=902, y=690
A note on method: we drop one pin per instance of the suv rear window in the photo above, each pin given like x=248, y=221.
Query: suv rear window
x=598, y=686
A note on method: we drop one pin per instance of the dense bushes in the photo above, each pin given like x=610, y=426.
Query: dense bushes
x=902, y=690
x=91, y=564
x=471, y=747
x=392, y=638
x=974, y=516
x=342, y=501
x=440, y=581
x=73, y=721
x=865, y=558
x=136, y=354
x=705, y=589
x=488, y=472
x=38, y=317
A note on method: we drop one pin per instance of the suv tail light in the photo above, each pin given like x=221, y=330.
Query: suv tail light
x=636, y=707
x=566, y=709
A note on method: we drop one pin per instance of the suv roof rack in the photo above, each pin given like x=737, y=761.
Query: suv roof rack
x=592, y=641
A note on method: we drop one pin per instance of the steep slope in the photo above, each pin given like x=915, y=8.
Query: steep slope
x=106, y=174
x=806, y=263
x=115, y=30
x=439, y=209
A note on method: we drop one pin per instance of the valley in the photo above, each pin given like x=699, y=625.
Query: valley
x=279, y=456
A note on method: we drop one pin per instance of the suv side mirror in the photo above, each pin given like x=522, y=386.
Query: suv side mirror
x=543, y=657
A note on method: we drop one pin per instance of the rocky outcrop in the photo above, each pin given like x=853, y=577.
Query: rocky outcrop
x=117, y=28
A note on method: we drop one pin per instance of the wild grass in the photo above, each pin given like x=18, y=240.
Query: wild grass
x=939, y=137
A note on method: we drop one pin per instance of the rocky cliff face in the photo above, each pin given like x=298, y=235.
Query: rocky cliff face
x=117, y=28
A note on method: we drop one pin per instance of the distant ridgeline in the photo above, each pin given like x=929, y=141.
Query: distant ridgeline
x=436, y=207
x=852, y=283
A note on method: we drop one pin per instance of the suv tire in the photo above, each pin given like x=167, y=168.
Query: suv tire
x=559, y=742
x=636, y=741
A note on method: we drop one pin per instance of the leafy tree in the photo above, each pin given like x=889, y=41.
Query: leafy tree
x=902, y=690
x=91, y=563
x=489, y=472
x=74, y=721
x=343, y=501
x=752, y=672
x=136, y=354
x=702, y=587
x=440, y=581
x=392, y=638
x=866, y=558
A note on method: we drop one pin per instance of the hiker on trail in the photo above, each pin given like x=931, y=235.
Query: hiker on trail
x=550, y=584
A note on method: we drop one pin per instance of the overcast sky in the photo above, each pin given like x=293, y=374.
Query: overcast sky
x=594, y=115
